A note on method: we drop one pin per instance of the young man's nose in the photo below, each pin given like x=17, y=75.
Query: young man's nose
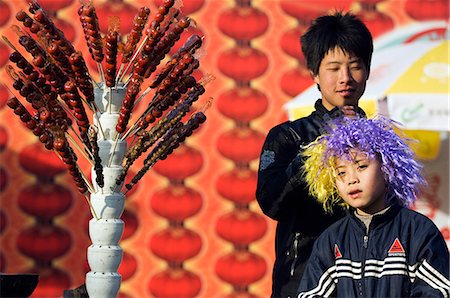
x=344, y=75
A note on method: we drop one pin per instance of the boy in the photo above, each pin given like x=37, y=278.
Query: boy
x=338, y=50
x=381, y=248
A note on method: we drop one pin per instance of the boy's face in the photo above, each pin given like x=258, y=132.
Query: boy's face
x=342, y=79
x=360, y=182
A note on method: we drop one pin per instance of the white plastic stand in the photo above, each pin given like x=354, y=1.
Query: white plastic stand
x=105, y=254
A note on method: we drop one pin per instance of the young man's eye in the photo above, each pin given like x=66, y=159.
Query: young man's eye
x=362, y=166
x=341, y=173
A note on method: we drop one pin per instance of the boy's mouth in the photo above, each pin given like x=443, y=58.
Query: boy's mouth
x=354, y=193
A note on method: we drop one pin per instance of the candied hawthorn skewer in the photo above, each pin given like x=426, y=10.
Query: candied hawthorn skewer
x=32, y=123
x=73, y=99
x=171, y=141
x=91, y=28
x=111, y=44
x=69, y=157
x=98, y=167
x=137, y=76
x=52, y=32
x=28, y=22
x=82, y=77
x=193, y=43
x=133, y=38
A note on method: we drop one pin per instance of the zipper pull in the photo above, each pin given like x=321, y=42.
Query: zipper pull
x=366, y=241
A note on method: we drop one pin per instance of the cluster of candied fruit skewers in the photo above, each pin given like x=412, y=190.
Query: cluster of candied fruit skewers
x=55, y=82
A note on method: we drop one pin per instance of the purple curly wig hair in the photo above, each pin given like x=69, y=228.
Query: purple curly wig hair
x=375, y=137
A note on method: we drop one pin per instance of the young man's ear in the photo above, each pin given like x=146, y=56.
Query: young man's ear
x=315, y=78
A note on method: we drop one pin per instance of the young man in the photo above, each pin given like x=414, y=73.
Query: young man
x=338, y=50
x=381, y=248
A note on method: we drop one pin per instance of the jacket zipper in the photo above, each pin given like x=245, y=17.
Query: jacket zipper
x=362, y=283
x=295, y=245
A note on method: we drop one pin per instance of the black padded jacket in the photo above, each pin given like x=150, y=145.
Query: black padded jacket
x=283, y=196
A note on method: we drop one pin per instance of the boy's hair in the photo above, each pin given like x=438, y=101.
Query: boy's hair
x=344, y=31
x=376, y=138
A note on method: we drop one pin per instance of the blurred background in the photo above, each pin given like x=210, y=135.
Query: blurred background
x=192, y=225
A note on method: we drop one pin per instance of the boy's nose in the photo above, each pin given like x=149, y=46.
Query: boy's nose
x=352, y=179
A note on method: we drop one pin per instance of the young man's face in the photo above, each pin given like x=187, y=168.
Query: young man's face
x=342, y=79
x=360, y=182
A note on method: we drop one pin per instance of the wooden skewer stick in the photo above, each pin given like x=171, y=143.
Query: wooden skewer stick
x=90, y=207
x=83, y=152
x=109, y=99
x=100, y=70
x=116, y=140
x=122, y=65
x=132, y=58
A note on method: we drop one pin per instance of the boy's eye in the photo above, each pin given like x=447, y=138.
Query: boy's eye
x=362, y=166
x=340, y=173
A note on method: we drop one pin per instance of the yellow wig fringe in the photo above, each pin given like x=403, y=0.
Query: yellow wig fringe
x=320, y=176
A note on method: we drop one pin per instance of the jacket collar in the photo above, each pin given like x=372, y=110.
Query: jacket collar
x=378, y=220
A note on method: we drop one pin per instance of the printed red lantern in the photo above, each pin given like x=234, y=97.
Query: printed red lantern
x=241, y=227
x=52, y=282
x=44, y=243
x=290, y=43
x=185, y=161
x=241, y=268
x=188, y=6
x=241, y=145
x=120, y=8
x=4, y=95
x=4, y=54
x=295, y=81
x=243, y=23
x=128, y=266
x=3, y=138
x=428, y=9
x=131, y=223
x=243, y=64
x=309, y=10
x=376, y=22
x=6, y=13
x=3, y=179
x=176, y=202
x=175, y=283
x=45, y=200
x=3, y=221
x=237, y=293
x=242, y=104
x=175, y=244
x=54, y=5
x=3, y=263
x=41, y=162
x=238, y=186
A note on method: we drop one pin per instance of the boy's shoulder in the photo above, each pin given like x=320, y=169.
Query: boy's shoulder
x=334, y=229
x=414, y=217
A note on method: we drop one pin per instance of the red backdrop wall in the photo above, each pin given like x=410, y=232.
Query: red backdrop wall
x=192, y=226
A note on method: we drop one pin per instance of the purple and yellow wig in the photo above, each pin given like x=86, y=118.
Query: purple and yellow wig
x=375, y=137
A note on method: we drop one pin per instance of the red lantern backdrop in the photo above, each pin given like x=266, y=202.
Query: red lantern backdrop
x=187, y=218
